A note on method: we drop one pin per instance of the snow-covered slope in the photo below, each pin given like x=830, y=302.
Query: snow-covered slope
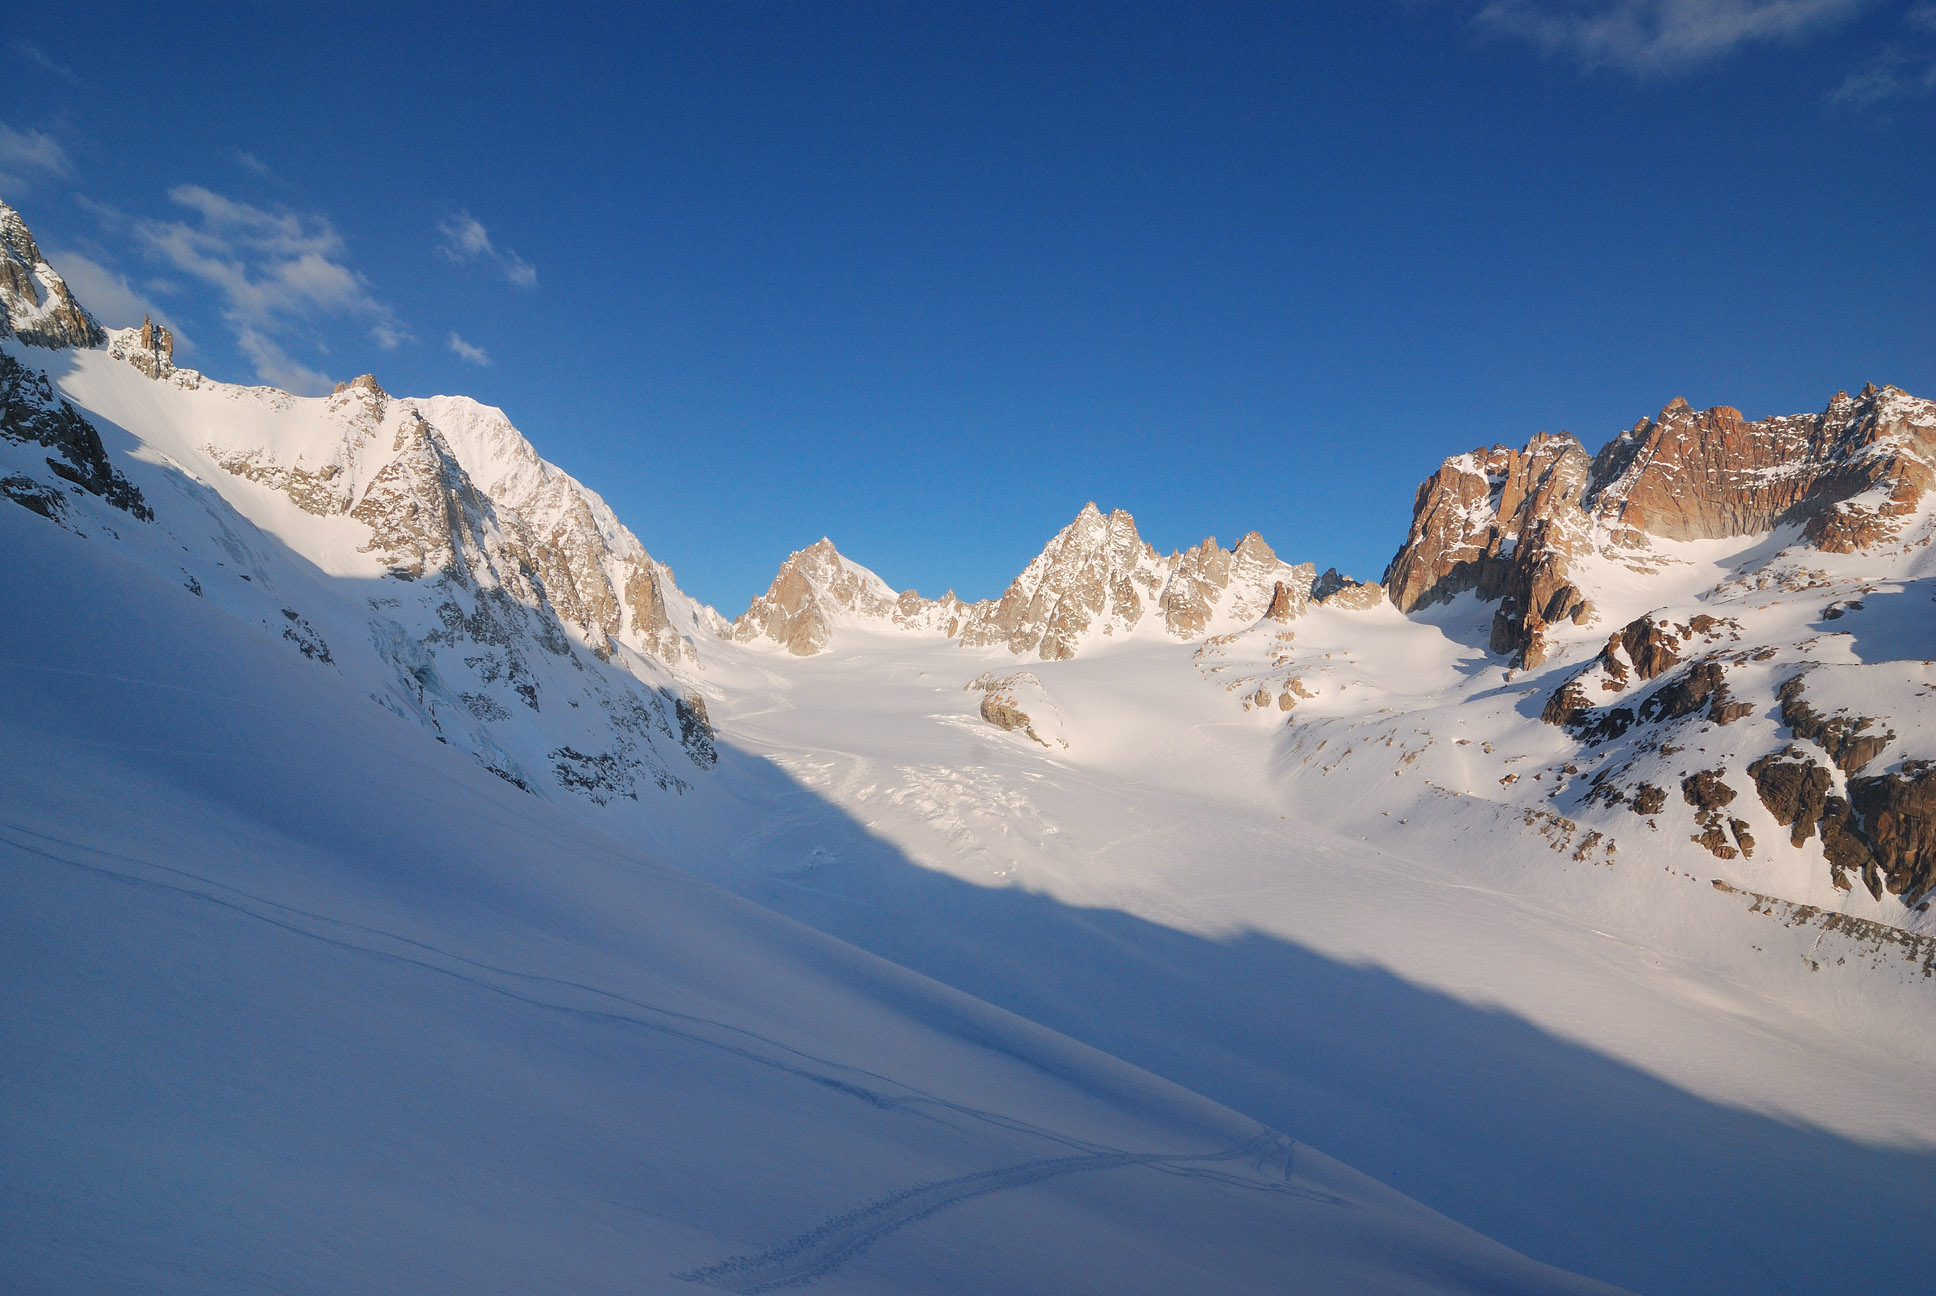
x=418, y=549
x=300, y=1000
x=1574, y=881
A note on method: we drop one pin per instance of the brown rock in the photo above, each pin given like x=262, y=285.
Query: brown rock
x=1704, y=790
x=1285, y=604
x=35, y=304
x=1898, y=820
x=1794, y=790
x=1509, y=524
x=1333, y=590
x=1851, y=741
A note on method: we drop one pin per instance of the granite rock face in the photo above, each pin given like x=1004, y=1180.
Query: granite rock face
x=813, y=587
x=1336, y=590
x=1514, y=525
x=1846, y=474
x=1507, y=524
x=35, y=305
x=1099, y=579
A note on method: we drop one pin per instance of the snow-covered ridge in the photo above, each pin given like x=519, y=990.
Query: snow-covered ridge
x=1097, y=580
x=516, y=620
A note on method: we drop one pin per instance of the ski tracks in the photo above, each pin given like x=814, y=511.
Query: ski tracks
x=821, y=1250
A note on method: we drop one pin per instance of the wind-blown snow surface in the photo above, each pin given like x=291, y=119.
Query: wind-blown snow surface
x=300, y=999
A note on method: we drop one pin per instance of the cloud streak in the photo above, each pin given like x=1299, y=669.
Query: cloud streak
x=115, y=301
x=30, y=151
x=39, y=58
x=466, y=352
x=278, y=272
x=463, y=240
x=1902, y=70
x=1655, y=37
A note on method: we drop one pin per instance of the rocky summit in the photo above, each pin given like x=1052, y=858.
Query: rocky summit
x=35, y=305
x=1516, y=526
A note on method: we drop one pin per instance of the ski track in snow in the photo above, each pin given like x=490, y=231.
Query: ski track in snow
x=429, y=958
x=820, y=1251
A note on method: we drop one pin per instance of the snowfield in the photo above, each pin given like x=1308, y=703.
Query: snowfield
x=432, y=897
x=301, y=999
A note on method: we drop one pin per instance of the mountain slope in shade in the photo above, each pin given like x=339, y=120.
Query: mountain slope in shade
x=302, y=999
x=1586, y=902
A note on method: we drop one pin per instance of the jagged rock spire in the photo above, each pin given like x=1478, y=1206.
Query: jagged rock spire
x=35, y=305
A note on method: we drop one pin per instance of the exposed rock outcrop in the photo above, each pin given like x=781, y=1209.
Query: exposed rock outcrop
x=1851, y=741
x=35, y=305
x=817, y=589
x=1506, y=524
x=1898, y=822
x=813, y=588
x=30, y=413
x=1018, y=702
x=1512, y=525
x=1794, y=789
x=1098, y=578
x=1709, y=474
x=1334, y=590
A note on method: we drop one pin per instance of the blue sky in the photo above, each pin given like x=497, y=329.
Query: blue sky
x=926, y=278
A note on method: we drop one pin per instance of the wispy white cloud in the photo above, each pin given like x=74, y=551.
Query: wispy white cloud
x=465, y=351
x=250, y=162
x=1892, y=74
x=28, y=151
x=1902, y=69
x=277, y=271
x=39, y=58
x=463, y=239
x=113, y=299
x=1650, y=37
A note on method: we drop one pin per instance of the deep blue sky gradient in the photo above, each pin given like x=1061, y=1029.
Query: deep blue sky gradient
x=926, y=278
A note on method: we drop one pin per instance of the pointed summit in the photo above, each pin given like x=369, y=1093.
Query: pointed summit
x=815, y=589
x=1098, y=579
x=35, y=305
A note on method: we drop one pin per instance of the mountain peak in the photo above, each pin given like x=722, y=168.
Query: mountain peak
x=35, y=305
x=1098, y=578
x=815, y=589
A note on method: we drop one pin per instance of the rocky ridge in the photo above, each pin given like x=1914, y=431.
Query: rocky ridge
x=512, y=615
x=1097, y=579
x=35, y=305
x=817, y=589
x=1515, y=525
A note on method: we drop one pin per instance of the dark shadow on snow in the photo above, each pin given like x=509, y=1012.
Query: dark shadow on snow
x=1569, y=1156
x=1572, y=1157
